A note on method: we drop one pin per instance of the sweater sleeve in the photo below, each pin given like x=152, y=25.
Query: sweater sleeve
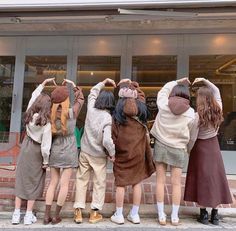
x=78, y=101
x=193, y=128
x=107, y=141
x=46, y=143
x=94, y=92
x=216, y=91
x=34, y=95
x=163, y=94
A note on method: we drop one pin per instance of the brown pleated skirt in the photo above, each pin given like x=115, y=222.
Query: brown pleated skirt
x=206, y=181
x=30, y=176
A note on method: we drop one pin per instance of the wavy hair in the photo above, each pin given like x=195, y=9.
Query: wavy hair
x=42, y=106
x=210, y=113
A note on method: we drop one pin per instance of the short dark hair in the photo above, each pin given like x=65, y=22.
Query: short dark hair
x=105, y=101
x=180, y=90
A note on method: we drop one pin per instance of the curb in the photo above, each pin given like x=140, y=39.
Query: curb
x=146, y=211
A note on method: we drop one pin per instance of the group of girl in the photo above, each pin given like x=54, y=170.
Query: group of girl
x=119, y=133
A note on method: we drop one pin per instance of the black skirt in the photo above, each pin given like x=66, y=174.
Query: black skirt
x=206, y=181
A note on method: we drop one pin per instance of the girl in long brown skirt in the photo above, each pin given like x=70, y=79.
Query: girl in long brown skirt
x=34, y=154
x=206, y=182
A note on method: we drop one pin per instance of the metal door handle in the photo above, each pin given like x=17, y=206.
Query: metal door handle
x=14, y=102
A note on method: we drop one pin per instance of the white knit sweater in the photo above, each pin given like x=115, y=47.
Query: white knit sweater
x=97, y=131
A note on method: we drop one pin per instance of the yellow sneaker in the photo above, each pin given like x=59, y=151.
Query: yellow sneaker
x=95, y=217
x=78, y=216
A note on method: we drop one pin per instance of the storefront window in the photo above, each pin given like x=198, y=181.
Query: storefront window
x=7, y=68
x=152, y=72
x=94, y=69
x=221, y=70
x=39, y=68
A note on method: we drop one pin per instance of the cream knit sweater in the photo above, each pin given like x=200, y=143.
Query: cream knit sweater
x=97, y=131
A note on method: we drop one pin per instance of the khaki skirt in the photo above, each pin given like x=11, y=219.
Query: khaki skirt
x=175, y=157
x=30, y=177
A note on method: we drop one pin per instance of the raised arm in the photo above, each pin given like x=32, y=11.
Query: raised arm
x=94, y=92
x=78, y=101
x=78, y=98
x=215, y=89
x=38, y=91
x=163, y=94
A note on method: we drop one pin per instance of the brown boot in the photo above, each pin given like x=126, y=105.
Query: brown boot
x=78, y=216
x=47, y=216
x=95, y=217
x=57, y=219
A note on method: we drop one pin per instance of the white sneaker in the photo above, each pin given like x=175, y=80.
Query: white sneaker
x=29, y=219
x=134, y=219
x=15, y=218
x=118, y=219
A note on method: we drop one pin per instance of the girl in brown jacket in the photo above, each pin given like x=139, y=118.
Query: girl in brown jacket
x=133, y=161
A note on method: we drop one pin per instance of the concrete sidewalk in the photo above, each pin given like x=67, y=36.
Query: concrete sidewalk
x=106, y=224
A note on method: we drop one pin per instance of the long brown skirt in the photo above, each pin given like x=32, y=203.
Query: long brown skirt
x=206, y=181
x=30, y=176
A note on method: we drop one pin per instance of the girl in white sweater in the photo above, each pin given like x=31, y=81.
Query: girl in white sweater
x=172, y=132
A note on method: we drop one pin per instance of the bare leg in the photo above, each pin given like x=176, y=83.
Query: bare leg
x=120, y=193
x=137, y=193
x=160, y=186
x=54, y=179
x=176, y=193
x=176, y=185
x=17, y=203
x=160, y=181
x=30, y=205
x=64, y=186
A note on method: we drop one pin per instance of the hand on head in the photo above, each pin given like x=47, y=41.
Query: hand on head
x=108, y=81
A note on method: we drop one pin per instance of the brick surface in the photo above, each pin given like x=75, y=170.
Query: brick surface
x=7, y=182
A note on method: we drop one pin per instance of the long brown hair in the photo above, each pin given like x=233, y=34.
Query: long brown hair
x=209, y=111
x=42, y=106
x=64, y=116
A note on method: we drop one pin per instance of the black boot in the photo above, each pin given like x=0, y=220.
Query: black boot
x=203, y=218
x=214, y=217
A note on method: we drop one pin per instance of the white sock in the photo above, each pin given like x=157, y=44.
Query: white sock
x=134, y=210
x=119, y=211
x=160, y=209
x=17, y=211
x=175, y=211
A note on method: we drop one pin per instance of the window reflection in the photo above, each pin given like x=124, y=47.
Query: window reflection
x=39, y=68
x=7, y=69
x=94, y=69
x=152, y=72
x=221, y=70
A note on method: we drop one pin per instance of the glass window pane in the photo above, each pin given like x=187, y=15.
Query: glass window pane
x=94, y=69
x=221, y=70
x=7, y=69
x=152, y=72
x=39, y=68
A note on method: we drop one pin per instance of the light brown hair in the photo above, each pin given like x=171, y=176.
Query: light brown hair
x=209, y=111
x=64, y=106
x=42, y=106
